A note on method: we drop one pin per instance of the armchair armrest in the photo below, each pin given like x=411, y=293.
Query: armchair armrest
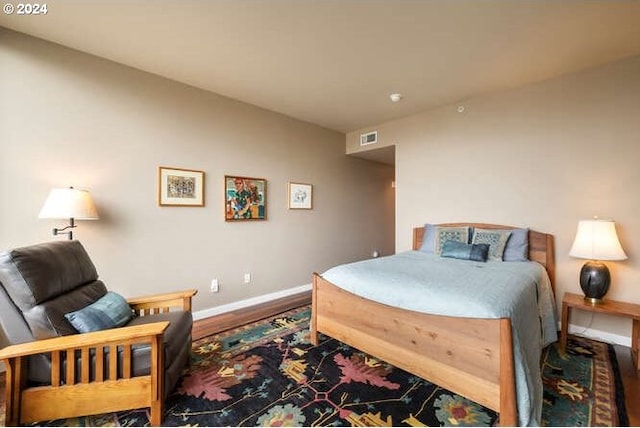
x=132, y=334
x=155, y=303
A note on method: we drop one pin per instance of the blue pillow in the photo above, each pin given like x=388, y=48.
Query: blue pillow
x=462, y=251
x=109, y=311
x=517, y=249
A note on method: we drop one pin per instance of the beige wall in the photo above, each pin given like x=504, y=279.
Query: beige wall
x=543, y=156
x=67, y=118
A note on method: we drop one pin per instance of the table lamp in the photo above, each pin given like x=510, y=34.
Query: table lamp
x=596, y=240
x=74, y=204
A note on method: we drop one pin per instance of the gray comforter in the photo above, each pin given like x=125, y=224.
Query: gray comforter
x=427, y=283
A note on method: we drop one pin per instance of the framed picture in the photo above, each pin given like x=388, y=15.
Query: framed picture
x=179, y=187
x=245, y=198
x=300, y=196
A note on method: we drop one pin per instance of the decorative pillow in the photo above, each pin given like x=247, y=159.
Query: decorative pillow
x=455, y=233
x=428, y=238
x=431, y=231
x=462, y=251
x=109, y=311
x=497, y=240
x=517, y=248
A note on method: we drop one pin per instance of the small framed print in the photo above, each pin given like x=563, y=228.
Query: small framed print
x=179, y=187
x=245, y=198
x=300, y=196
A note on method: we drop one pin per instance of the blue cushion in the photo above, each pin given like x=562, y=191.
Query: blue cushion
x=462, y=251
x=517, y=249
x=110, y=311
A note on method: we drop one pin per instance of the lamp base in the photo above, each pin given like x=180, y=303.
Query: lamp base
x=593, y=301
x=594, y=281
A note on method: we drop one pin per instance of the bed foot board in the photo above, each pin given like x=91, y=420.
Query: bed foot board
x=313, y=323
x=508, y=410
x=471, y=357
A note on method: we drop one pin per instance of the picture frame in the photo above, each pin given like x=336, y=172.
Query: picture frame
x=245, y=198
x=178, y=187
x=300, y=196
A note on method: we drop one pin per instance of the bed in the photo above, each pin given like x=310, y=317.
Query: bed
x=473, y=357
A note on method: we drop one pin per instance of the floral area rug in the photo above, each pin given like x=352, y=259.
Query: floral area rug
x=268, y=374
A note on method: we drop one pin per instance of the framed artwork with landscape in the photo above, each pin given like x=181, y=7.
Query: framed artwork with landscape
x=179, y=187
x=300, y=196
x=245, y=198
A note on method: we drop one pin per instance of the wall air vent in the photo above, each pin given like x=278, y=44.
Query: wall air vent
x=369, y=138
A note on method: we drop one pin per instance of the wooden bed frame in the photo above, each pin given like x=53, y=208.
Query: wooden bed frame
x=472, y=357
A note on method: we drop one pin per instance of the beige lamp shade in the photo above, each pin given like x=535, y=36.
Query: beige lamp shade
x=597, y=240
x=69, y=203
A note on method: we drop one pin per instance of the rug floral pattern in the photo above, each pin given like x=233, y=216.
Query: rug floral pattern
x=269, y=374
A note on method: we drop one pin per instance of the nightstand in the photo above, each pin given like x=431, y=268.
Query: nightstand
x=611, y=307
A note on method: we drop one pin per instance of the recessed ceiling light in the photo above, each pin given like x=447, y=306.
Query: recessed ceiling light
x=395, y=97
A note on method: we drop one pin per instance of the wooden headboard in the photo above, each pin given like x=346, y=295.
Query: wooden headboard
x=540, y=244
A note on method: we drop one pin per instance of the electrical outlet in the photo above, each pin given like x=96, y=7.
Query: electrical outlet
x=247, y=278
x=214, y=285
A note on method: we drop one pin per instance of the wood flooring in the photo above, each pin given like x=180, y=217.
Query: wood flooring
x=218, y=323
x=631, y=384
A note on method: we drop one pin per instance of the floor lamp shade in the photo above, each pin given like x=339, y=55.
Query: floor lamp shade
x=596, y=240
x=74, y=204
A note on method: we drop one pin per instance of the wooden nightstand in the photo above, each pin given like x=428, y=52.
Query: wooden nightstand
x=612, y=307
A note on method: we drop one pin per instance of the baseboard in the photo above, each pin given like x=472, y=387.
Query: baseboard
x=600, y=335
x=242, y=304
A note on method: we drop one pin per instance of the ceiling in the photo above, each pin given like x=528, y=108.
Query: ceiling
x=335, y=62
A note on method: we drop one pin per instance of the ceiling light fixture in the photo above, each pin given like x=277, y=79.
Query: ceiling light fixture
x=395, y=97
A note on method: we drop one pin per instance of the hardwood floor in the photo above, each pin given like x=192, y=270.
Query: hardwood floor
x=218, y=323
x=223, y=322
x=631, y=383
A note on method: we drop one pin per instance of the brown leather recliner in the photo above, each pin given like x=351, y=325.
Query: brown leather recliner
x=53, y=371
